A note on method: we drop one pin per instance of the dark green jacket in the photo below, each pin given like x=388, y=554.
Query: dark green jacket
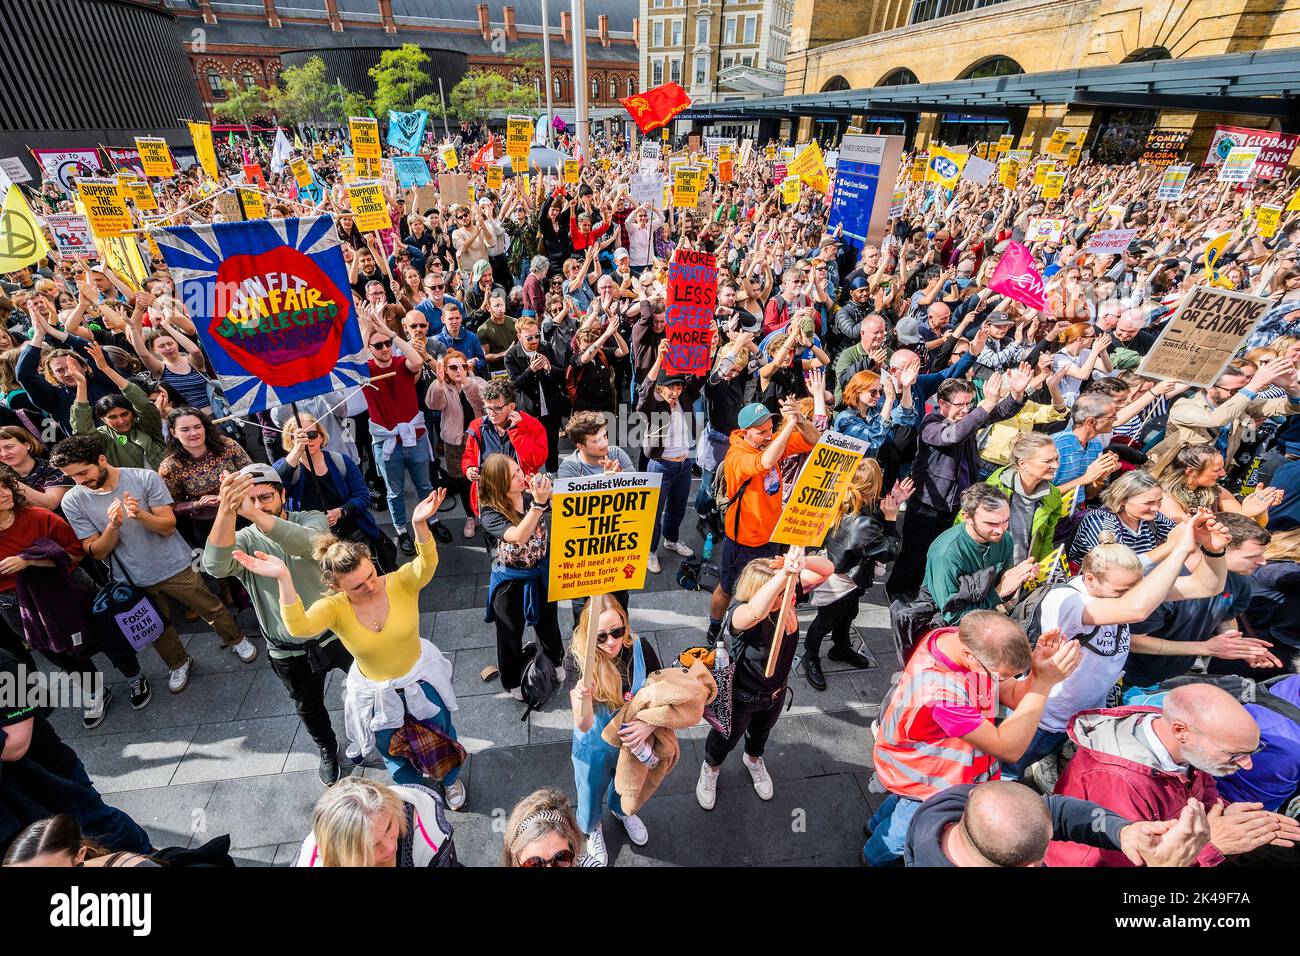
x=142, y=447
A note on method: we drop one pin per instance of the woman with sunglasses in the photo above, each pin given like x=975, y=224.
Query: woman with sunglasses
x=875, y=406
x=459, y=396
x=621, y=663
x=542, y=833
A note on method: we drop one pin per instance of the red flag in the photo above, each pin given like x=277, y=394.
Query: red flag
x=1016, y=278
x=253, y=174
x=487, y=153
x=655, y=108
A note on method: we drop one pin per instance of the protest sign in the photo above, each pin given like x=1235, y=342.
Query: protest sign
x=1072, y=158
x=1021, y=156
x=226, y=205
x=105, y=208
x=21, y=241
x=448, y=156
x=810, y=166
x=978, y=170
x=1267, y=219
x=944, y=166
x=519, y=137
x=1172, y=183
x=272, y=305
x=253, y=175
x=411, y=171
x=1294, y=204
x=1164, y=147
x=1275, y=149
x=778, y=174
x=686, y=187
x=1059, y=138
x=365, y=136
x=817, y=492
x=790, y=190
x=1045, y=230
x=769, y=153
x=453, y=188
x=646, y=188
x=138, y=191
x=1238, y=165
x=1005, y=142
x=406, y=130
x=64, y=165
x=348, y=169
x=600, y=533
x=692, y=298
x=572, y=171
x=898, y=204
x=1008, y=173
x=72, y=235
x=651, y=149
x=124, y=158
x=1053, y=183
x=253, y=204
x=369, y=208
x=495, y=176
x=201, y=134
x=865, y=174
x=369, y=168
x=1203, y=336
x=301, y=172
x=1110, y=241
x=726, y=170
x=14, y=169
x=155, y=157
x=1041, y=171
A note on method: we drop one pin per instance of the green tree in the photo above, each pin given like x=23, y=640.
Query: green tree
x=401, y=72
x=480, y=92
x=304, y=95
x=350, y=103
x=242, y=104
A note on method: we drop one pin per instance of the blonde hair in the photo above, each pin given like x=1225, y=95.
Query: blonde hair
x=863, y=491
x=608, y=680
x=1174, y=477
x=292, y=426
x=8, y=369
x=536, y=815
x=757, y=573
x=344, y=820
x=1126, y=486
x=1110, y=556
x=337, y=557
x=1028, y=444
x=1284, y=546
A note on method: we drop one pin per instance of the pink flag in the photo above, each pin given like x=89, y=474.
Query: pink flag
x=1016, y=277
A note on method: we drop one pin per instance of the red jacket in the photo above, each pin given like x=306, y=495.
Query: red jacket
x=581, y=240
x=1106, y=772
x=525, y=443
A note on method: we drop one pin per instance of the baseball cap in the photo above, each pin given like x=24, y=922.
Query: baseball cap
x=829, y=241
x=666, y=379
x=620, y=253
x=753, y=415
x=908, y=331
x=999, y=318
x=480, y=269
x=262, y=474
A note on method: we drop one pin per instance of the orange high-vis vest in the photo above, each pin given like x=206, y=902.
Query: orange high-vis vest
x=912, y=757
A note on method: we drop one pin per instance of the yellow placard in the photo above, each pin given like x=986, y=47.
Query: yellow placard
x=604, y=163
x=254, y=206
x=1057, y=143
x=1008, y=173
x=790, y=190
x=686, y=187
x=21, y=240
x=369, y=168
x=1117, y=212
x=769, y=153
x=201, y=134
x=1073, y=157
x=348, y=169
x=572, y=171
x=1267, y=219
x=1294, y=204
x=519, y=138
x=365, y=137
x=810, y=166
x=105, y=208
x=1053, y=183
x=448, y=156
x=944, y=166
x=155, y=157
x=918, y=168
x=369, y=207
x=1041, y=170
x=724, y=153
x=817, y=493
x=317, y=152
x=495, y=176
x=665, y=134
x=137, y=190
x=600, y=533
x=1005, y=142
x=301, y=172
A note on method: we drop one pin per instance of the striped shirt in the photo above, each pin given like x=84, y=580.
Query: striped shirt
x=1148, y=536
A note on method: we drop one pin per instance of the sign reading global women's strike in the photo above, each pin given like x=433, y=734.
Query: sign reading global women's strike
x=600, y=533
x=816, y=495
x=692, y=299
x=1203, y=336
x=859, y=203
x=271, y=302
x=1275, y=149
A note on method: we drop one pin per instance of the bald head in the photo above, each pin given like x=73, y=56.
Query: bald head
x=996, y=640
x=1210, y=730
x=1007, y=823
x=1130, y=323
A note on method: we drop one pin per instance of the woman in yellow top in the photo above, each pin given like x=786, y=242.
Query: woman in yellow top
x=377, y=617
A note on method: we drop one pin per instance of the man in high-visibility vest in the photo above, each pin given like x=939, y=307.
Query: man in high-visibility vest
x=937, y=731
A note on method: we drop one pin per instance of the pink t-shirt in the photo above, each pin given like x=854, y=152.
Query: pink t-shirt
x=957, y=720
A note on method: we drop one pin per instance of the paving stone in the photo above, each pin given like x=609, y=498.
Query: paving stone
x=240, y=748
x=303, y=752
x=841, y=739
x=266, y=810
x=285, y=853
x=254, y=856
x=467, y=665
x=208, y=699
x=490, y=720
x=266, y=697
x=133, y=761
x=170, y=815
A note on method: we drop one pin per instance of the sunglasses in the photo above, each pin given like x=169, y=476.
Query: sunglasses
x=436, y=288
x=563, y=858
x=312, y=435
x=530, y=338
x=615, y=634
x=456, y=368
x=382, y=344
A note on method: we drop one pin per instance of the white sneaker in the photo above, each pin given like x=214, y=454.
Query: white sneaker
x=596, y=846
x=517, y=693
x=455, y=794
x=677, y=546
x=706, y=790
x=246, y=650
x=653, y=564
x=636, y=831
x=762, y=780
x=96, y=707
x=178, y=679
x=561, y=675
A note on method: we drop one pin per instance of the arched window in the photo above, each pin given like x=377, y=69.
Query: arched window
x=900, y=77
x=631, y=86
x=215, y=83
x=613, y=89
x=250, y=81
x=595, y=88
x=993, y=66
x=1148, y=54
x=556, y=83
x=834, y=84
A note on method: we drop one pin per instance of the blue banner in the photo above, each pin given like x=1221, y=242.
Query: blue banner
x=855, y=193
x=272, y=305
x=412, y=171
x=406, y=130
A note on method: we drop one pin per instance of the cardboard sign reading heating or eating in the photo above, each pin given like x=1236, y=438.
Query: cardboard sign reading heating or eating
x=1203, y=336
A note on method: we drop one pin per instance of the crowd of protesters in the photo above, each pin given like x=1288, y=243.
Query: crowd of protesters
x=1088, y=571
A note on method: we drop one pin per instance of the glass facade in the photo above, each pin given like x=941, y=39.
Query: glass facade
x=923, y=10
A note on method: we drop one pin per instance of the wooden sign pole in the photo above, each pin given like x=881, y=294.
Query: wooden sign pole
x=594, y=611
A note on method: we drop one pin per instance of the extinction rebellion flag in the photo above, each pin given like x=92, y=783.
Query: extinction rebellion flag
x=655, y=108
x=272, y=305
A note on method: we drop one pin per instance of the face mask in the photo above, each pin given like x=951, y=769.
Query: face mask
x=962, y=282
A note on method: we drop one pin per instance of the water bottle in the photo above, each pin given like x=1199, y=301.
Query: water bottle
x=645, y=753
x=720, y=657
x=708, y=547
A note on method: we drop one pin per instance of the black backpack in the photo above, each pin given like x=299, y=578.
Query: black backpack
x=720, y=500
x=910, y=621
x=538, y=680
x=1029, y=614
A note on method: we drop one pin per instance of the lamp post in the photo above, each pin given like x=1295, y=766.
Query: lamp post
x=580, y=74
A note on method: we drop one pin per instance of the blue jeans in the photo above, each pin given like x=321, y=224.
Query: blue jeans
x=674, y=491
x=889, y=830
x=413, y=461
x=704, y=496
x=400, y=767
x=1043, y=743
